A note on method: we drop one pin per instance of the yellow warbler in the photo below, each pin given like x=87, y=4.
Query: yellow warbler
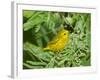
x=59, y=42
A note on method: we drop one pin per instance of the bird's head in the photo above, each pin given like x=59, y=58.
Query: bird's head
x=63, y=33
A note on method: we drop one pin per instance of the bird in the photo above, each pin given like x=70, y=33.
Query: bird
x=59, y=41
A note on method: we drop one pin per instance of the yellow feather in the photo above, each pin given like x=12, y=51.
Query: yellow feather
x=59, y=42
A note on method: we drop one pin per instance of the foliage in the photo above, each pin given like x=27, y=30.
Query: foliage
x=39, y=27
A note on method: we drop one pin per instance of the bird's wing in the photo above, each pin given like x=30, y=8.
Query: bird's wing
x=55, y=40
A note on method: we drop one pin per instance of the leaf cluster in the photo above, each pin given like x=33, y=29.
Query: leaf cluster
x=39, y=27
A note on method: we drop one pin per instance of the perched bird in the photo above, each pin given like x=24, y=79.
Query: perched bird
x=59, y=41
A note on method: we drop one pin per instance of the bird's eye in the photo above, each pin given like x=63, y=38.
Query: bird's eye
x=64, y=33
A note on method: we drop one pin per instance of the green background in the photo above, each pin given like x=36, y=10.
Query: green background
x=39, y=27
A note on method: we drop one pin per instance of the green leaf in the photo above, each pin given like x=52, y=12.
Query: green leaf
x=51, y=63
x=69, y=20
x=27, y=65
x=32, y=67
x=36, y=51
x=36, y=19
x=37, y=28
x=28, y=13
x=30, y=24
x=35, y=63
